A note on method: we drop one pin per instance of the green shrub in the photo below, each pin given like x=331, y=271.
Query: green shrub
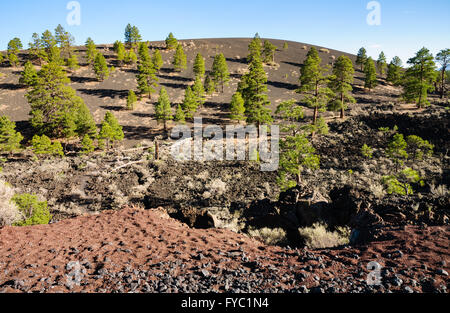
x=35, y=212
x=87, y=145
x=419, y=147
x=43, y=145
x=400, y=184
x=270, y=236
x=367, y=151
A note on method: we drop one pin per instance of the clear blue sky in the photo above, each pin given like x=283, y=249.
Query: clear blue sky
x=406, y=25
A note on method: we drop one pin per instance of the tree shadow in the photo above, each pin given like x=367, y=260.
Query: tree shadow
x=292, y=63
x=105, y=93
x=82, y=80
x=140, y=132
x=177, y=78
x=130, y=70
x=145, y=115
x=112, y=108
x=8, y=86
x=175, y=86
x=282, y=85
x=236, y=60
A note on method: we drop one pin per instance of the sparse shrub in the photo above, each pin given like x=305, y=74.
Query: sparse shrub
x=270, y=236
x=367, y=151
x=35, y=212
x=43, y=145
x=9, y=212
x=318, y=237
x=419, y=147
x=440, y=191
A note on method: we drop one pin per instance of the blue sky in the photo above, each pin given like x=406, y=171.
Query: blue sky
x=406, y=25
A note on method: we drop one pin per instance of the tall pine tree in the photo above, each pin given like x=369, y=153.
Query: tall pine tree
x=341, y=82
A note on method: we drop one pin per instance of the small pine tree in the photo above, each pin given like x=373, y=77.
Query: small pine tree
x=291, y=113
x=179, y=115
x=9, y=138
x=219, y=71
x=163, y=110
x=144, y=53
x=269, y=52
x=361, y=58
x=13, y=59
x=101, y=67
x=171, y=42
x=397, y=149
x=190, y=103
x=43, y=145
x=72, y=62
x=382, y=64
x=209, y=85
x=370, y=80
x=237, y=108
x=285, y=46
x=296, y=154
x=199, y=66
x=29, y=75
x=157, y=60
x=130, y=57
x=394, y=72
x=179, y=60
x=87, y=145
x=34, y=212
x=199, y=91
x=91, y=50
x=146, y=78
x=119, y=48
x=111, y=130
x=131, y=100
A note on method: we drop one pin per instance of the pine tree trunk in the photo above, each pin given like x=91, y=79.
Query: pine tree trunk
x=316, y=113
x=342, y=106
x=443, y=82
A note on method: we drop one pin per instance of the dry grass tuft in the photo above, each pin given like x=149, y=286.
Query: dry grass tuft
x=318, y=237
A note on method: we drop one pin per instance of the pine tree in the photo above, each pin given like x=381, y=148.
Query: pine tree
x=382, y=64
x=190, y=103
x=394, y=73
x=131, y=100
x=87, y=145
x=199, y=91
x=209, y=85
x=297, y=154
x=253, y=88
x=43, y=145
x=72, y=62
x=54, y=56
x=341, y=82
x=419, y=78
x=254, y=49
x=37, y=50
x=285, y=46
x=130, y=57
x=13, y=59
x=83, y=119
x=237, y=108
x=100, y=67
x=171, y=42
x=163, y=110
x=29, y=75
x=14, y=46
x=54, y=104
x=91, y=50
x=219, y=71
x=143, y=53
x=443, y=58
x=65, y=41
x=132, y=36
x=313, y=83
x=179, y=60
x=119, y=48
x=9, y=138
x=361, y=58
x=111, y=129
x=48, y=40
x=370, y=72
x=146, y=78
x=179, y=115
x=269, y=52
x=199, y=66
x=291, y=113
x=157, y=60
